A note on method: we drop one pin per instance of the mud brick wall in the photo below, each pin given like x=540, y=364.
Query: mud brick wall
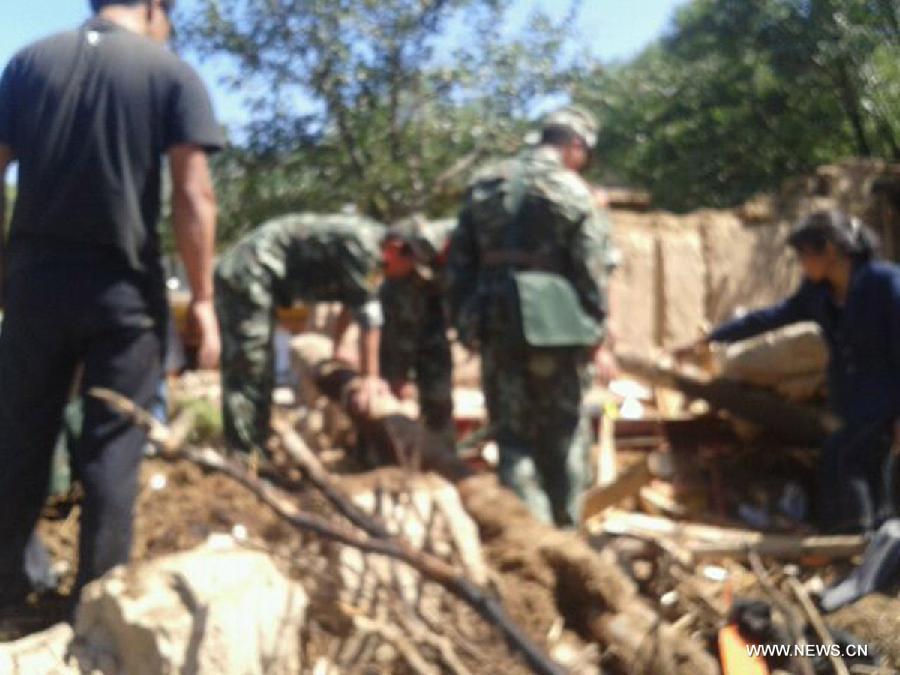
x=682, y=271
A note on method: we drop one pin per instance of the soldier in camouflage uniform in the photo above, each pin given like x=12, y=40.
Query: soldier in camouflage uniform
x=414, y=344
x=531, y=214
x=309, y=257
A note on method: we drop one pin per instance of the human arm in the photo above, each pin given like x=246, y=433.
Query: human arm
x=794, y=309
x=341, y=326
x=368, y=316
x=591, y=250
x=369, y=341
x=372, y=387
x=194, y=215
x=190, y=134
x=790, y=311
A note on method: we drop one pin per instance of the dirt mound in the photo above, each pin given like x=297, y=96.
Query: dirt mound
x=180, y=506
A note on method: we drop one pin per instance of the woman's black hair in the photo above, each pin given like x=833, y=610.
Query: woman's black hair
x=848, y=234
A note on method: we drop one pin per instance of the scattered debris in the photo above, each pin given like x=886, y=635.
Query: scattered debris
x=408, y=572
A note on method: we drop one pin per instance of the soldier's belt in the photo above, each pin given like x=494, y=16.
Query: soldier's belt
x=521, y=260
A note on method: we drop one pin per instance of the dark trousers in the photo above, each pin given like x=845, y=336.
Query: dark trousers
x=856, y=475
x=59, y=315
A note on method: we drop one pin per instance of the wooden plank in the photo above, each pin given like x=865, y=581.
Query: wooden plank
x=628, y=484
x=792, y=422
x=607, y=464
x=709, y=541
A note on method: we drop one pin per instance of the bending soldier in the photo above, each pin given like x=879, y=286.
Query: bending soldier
x=414, y=345
x=309, y=257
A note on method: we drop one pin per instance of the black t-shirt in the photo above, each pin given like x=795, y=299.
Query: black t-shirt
x=89, y=115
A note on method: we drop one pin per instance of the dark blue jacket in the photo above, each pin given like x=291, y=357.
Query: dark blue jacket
x=863, y=336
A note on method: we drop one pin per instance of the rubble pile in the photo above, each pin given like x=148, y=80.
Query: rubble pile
x=696, y=530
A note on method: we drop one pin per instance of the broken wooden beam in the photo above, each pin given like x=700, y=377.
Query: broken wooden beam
x=612, y=611
x=705, y=542
x=369, y=534
x=791, y=422
x=628, y=199
x=628, y=484
x=618, y=617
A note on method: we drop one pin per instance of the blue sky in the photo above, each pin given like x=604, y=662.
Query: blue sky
x=616, y=30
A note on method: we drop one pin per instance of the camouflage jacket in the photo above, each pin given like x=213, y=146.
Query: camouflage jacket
x=532, y=205
x=414, y=324
x=414, y=317
x=309, y=257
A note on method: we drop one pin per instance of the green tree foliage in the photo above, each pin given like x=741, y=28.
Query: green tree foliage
x=385, y=104
x=740, y=95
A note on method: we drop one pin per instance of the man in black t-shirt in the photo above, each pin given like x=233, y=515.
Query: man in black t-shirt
x=89, y=114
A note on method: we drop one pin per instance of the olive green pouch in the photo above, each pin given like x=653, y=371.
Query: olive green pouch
x=552, y=315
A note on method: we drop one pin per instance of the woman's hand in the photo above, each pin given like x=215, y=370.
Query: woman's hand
x=692, y=351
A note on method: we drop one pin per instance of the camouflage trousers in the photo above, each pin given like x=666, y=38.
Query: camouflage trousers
x=432, y=375
x=534, y=399
x=414, y=347
x=247, y=326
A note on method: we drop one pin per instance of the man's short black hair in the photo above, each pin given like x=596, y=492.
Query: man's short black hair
x=554, y=134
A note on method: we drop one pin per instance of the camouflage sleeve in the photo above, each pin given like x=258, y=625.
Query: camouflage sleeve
x=591, y=255
x=362, y=278
x=462, y=267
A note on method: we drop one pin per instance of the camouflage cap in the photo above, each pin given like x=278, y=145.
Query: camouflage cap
x=578, y=120
x=427, y=239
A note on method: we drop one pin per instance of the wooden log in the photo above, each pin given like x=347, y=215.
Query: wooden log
x=618, y=617
x=373, y=538
x=605, y=461
x=654, y=501
x=791, y=422
x=708, y=541
x=611, y=608
x=626, y=199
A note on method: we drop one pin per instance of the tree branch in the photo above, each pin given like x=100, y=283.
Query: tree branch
x=433, y=568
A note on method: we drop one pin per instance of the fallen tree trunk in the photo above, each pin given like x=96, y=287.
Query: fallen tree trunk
x=791, y=422
x=375, y=539
x=614, y=613
x=608, y=605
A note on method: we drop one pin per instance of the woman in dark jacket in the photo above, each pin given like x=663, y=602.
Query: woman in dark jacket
x=856, y=302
